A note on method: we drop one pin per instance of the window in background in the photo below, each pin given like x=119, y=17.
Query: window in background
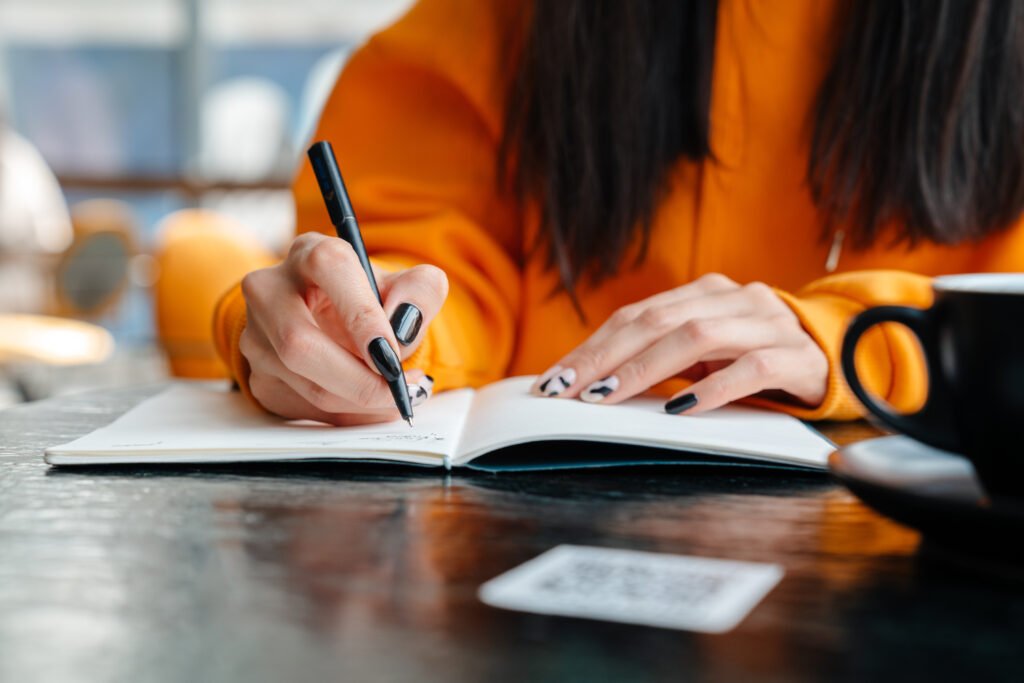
x=166, y=104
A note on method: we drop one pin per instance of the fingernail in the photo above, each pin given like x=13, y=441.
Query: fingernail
x=556, y=380
x=543, y=379
x=600, y=389
x=430, y=381
x=680, y=404
x=420, y=392
x=406, y=322
x=384, y=357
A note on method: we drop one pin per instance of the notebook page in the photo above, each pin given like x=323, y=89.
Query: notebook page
x=203, y=423
x=505, y=414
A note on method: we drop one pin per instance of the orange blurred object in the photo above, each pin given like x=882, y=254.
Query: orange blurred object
x=199, y=255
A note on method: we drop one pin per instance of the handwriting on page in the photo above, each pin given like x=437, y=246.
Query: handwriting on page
x=671, y=591
x=411, y=438
x=386, y=436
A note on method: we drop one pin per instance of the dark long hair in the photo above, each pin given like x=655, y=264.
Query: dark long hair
x=918, y=126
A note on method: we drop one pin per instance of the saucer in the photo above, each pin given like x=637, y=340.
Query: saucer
x=934, y=492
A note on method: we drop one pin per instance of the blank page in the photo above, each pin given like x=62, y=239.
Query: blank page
x=202, y=423
x=505, y=414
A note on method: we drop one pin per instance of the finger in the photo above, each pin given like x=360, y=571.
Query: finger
x=276, y=396
x=412, y=298
x=706, y=285
x=293, y=338
x=751, y=373
x=419, y=385
x=421, y=388
x=598, y=356
x=563, y=376
x=332, y=266
x=710, y=283
x=703, y=339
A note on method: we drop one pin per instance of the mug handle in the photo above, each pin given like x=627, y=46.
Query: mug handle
x=933, y=424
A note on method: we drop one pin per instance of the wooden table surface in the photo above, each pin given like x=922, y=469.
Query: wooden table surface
x=324, y=572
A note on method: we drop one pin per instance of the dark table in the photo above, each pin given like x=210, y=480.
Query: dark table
x=359, y=572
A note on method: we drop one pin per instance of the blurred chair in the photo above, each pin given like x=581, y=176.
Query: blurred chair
x=94, y=272
x=199, y=254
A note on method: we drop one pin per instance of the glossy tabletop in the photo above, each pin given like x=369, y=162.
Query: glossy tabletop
x=347, y=572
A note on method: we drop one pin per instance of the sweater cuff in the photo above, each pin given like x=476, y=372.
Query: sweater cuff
x=229, y=320
x=824, y=318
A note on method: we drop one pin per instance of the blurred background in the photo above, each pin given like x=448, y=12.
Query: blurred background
x=121, y=118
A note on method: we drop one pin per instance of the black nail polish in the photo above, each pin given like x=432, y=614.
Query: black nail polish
x=406, y=322
x=431, y=379
x=680, y=404
x=384, y=358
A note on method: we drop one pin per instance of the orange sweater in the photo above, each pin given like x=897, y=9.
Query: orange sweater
x=416, y=118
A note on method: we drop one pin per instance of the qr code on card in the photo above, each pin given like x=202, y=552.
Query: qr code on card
x=655, y=589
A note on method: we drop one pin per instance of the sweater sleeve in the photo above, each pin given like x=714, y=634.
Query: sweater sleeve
x=889, y=361
x=415, y=122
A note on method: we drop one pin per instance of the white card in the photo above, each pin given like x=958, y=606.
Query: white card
x=652, y=589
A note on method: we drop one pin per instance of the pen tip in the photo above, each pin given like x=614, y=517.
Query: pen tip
x=409, y=420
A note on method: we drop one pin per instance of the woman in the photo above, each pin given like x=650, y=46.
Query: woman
x=616, y=194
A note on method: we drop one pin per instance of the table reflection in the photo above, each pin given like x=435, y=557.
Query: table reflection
x=392, y=569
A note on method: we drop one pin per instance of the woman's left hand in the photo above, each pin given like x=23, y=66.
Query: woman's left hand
x=732, y=340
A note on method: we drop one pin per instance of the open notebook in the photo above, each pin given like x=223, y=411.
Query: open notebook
x=190, y=423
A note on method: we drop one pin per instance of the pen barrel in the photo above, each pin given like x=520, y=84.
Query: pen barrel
x=332, y=185
x=348, y=230
x=400, y=392
x=343, y=217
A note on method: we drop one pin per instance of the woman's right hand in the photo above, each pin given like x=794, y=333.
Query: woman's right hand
x=310, y=321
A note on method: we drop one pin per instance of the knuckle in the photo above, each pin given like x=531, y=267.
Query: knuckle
x=301, y=244
x=252, y=285
x=366, y=391
x=363, y=316
x=293, y=347
x=425, y=285
x=623, y=316
x=715, y=281
x=321, y=398
x=716, y=387
x=247, y=345
x=760, y=293
x=787, y=321
x=433, y=281
x=327, y=254
x=633, y=373
x=248, y=285
x=586, y=360
x=656, y=319
x=784, y=319
x=259, y=387
x=701, y=333
x=764, y=363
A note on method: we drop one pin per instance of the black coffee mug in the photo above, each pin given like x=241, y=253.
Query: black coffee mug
x=973, y=342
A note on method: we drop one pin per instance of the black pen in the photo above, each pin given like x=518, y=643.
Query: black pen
x=343, y=217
